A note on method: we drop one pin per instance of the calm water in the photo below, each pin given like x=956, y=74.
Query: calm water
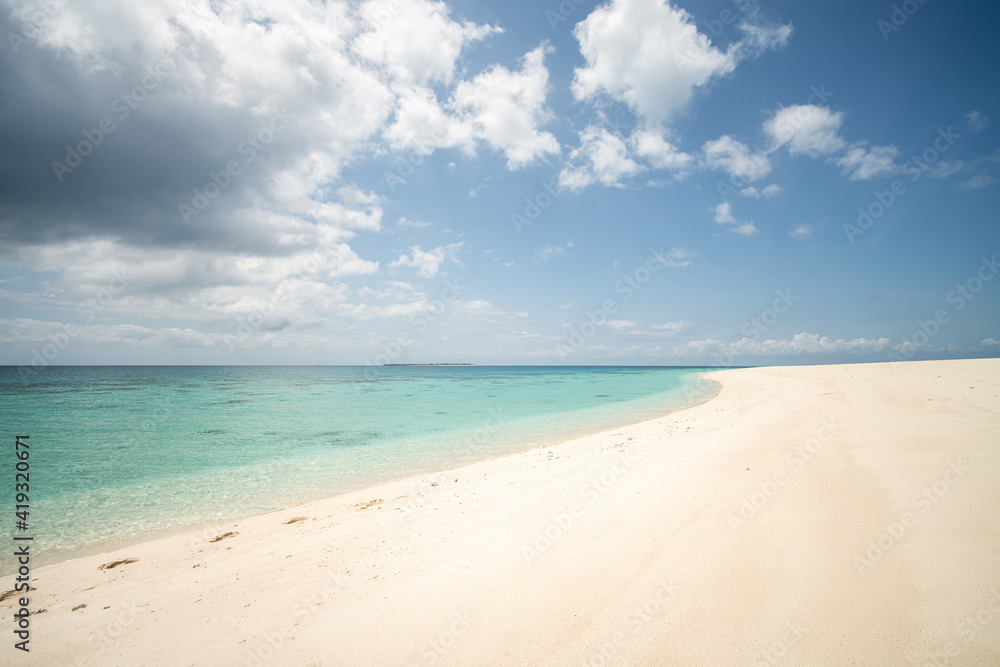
x=121, y=454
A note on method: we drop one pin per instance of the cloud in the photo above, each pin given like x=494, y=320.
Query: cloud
x=568, y=305
x=801, y=233
x=671, y=327
x=506, y=108
x=863, y=163
x=724, y=214
x=650, y=55
x=428, y=262
x=806, y=129
x=772, y=190
x=602, y=157
x=546, y=253
x=387, y=39
x=677, y=257
x=990, y=342
x=659, y=153
x=746, y=228
x=977, y=182
x=800, y=344
x=406, y=222
x=735, y=158
x=977, y=122
x=502, y=108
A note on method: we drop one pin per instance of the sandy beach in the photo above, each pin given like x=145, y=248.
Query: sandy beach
x=820, y=515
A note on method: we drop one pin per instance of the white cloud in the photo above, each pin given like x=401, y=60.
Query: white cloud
x=990, y=342
x=977, y=122
x=428, y=262
x=406, y=222
x=506, y=108
x=773, y=190
x=672, y=327
x=568, y=305
x=602, y=157
x=806, y=129
x=724, y=214
x=658, y=152
x=802, y=232
x=799, y=344
x=747, y=228
x=862, y=163
x=650, y=55
x=976, y=182
x=416, y=42
x=735, y=158
x=546, y=253
x=677, y=257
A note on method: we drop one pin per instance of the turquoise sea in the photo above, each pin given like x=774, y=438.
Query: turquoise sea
x=123, y=454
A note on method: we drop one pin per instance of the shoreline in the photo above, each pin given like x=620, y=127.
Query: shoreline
x=713, y=534
x=697, y=389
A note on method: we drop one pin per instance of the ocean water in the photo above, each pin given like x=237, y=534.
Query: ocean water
x=127, y=453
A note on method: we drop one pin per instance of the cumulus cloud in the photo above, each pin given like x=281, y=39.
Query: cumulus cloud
x=806, y=129
x=428, y=262
x=864, y=163
x=388, y=39
x=735, y=158
x=724, y=216
x=505, y=109
x=658, y=152
x=602, y=157
x=650, y=55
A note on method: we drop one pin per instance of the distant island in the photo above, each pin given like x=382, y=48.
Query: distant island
x=428, y=364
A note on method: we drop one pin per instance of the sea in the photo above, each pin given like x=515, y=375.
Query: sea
x=123, y=454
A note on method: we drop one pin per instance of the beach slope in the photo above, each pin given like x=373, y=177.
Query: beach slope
x=805, y=515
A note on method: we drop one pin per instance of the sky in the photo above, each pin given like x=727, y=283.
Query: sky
x=637, y=182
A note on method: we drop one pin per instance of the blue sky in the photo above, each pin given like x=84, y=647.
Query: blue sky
x=634, y=182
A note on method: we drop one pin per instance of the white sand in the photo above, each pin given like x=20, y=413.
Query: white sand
x=781, y=522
